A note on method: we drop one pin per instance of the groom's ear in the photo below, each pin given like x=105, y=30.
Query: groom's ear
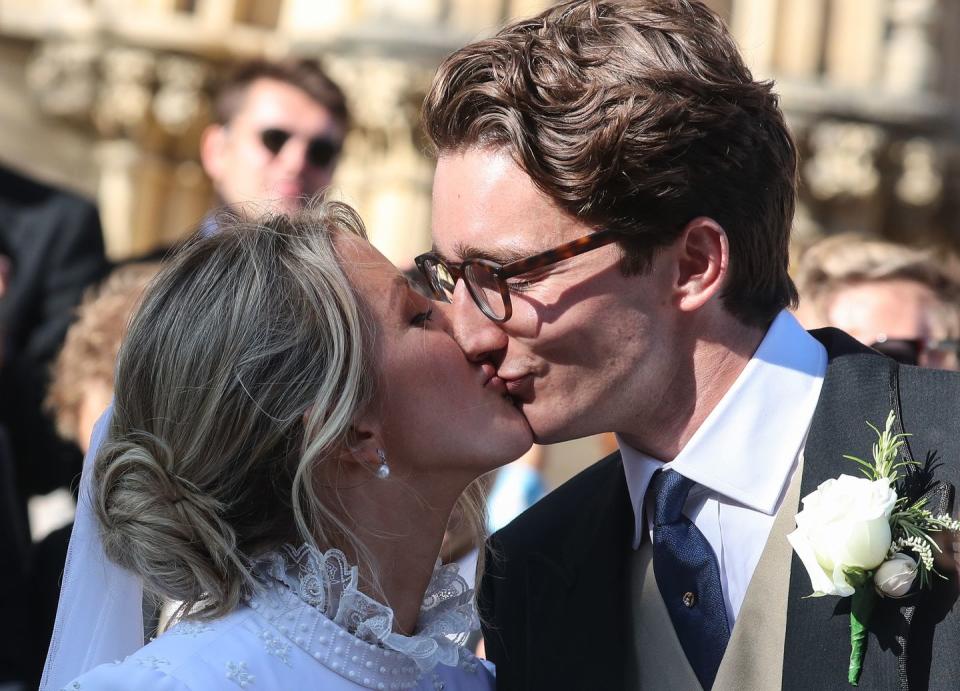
x=702, y=256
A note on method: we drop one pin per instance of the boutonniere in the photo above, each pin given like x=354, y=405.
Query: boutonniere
x=864, y=537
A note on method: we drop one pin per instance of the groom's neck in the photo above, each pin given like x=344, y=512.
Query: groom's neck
x=697, y=379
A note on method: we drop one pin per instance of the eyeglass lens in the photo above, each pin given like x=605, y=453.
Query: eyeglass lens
x=321, y=151
x=485, y=289
x=441, y=280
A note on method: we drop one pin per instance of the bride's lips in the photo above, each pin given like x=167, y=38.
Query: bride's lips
x=520, y=388
x=491, y=380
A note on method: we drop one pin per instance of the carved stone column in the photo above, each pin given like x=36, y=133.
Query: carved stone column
x=384, y=172
x=147, y=109
x=911, y=58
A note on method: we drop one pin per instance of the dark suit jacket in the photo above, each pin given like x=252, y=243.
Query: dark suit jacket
x=57, y=250
x=14, y=542
x=555, y=599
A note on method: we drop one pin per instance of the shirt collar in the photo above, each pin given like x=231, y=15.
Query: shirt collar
x=748, y=444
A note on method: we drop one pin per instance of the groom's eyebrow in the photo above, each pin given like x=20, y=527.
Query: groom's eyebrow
x=499, y=255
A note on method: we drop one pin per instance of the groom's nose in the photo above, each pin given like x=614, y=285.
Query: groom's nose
x=479, y=337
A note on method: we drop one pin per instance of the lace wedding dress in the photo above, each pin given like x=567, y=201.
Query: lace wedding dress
x=307, y=626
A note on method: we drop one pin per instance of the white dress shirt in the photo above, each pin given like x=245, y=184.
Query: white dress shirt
x=743, y=455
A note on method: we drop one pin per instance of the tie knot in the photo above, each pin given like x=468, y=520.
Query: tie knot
x=669, y=490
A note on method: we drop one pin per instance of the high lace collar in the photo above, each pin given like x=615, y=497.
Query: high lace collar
x=360, y=642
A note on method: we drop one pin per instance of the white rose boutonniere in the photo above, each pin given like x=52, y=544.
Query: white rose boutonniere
x=853, y=535
x=844, y=526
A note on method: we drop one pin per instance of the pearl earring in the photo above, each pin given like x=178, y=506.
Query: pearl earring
x=383, y=470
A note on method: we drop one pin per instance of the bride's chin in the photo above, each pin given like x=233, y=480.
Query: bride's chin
x=510, y=408
x=517, y=439
x=508, y=401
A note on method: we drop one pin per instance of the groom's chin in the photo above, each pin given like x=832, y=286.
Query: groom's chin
x=547, y=431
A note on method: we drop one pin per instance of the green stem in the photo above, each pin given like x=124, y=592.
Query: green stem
x=861, y=608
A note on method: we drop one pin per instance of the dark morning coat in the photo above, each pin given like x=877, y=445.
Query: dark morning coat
x=57, y=248
x=555, y=599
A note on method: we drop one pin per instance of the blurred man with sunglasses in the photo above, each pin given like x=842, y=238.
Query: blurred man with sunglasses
x=901, y=301
x=277, y=137
x=612, y=207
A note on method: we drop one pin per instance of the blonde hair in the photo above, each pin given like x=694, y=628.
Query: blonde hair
x=89, y=352
x=242, y=371
x=849, y=259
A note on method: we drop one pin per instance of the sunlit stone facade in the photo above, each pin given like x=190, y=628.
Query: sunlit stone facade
x=109, y=97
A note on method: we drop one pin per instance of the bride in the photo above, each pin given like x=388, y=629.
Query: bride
x=293, y=426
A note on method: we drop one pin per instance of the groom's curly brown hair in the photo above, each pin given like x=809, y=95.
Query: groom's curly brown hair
x=636, y=116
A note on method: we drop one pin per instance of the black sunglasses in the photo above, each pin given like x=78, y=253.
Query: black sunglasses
x=913, y=351
x=321, y=151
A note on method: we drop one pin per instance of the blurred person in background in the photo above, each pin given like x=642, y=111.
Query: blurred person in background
x=6, y=270
x=278, y=134
x=14, y=538
x=82, y=383
x=899, y=300
x=54, y=240
x=516, y=487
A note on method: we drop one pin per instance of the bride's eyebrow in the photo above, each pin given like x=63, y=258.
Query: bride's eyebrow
x=399, y=290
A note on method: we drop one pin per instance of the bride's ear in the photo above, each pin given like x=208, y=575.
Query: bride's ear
x=364, y=443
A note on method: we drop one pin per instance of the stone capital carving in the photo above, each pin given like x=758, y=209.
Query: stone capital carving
x=921, y=180
x=121, y=90
x=843, y=161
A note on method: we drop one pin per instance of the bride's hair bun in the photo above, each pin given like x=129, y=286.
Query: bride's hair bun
x=164, y=527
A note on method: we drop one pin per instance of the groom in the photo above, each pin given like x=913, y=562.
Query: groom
x=612, y=206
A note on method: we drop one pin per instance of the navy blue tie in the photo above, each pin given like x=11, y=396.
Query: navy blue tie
x=688, y=577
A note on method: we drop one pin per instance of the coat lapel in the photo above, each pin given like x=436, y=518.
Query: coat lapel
x=860, y=386
x=578, y=611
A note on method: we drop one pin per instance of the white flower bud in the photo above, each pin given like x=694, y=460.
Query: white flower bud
x=896, y=575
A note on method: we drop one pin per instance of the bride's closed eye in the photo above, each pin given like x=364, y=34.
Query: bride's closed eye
x=422, y=318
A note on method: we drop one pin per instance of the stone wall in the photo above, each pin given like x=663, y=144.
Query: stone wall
x=109, y=97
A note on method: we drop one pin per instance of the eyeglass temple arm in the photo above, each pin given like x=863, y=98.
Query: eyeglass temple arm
x=558, y=254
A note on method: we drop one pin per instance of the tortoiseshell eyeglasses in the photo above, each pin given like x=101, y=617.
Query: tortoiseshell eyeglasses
x=486, y=280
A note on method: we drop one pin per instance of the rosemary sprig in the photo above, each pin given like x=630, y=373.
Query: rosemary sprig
x=886, y=451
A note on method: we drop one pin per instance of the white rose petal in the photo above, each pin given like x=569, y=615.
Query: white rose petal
x=864, y=544
x=844, y=523
x=820, y=580
x=896, y=575
x=840, y=582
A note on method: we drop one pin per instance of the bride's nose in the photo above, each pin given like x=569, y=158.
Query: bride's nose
x=443, y=315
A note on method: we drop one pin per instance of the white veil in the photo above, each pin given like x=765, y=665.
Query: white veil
x=100, y=614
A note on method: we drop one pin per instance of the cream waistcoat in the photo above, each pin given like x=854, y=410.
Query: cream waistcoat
x=754, y=656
